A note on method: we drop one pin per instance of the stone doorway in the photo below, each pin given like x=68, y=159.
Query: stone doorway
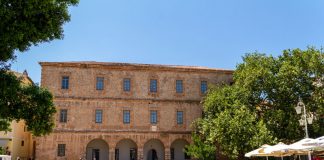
x=126, y=149
x=153, y=150
x=95, y=154
x=97, y=149
x=177, y=150
x=152, y=155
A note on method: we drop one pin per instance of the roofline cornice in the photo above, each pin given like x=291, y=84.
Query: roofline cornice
x=134, y=66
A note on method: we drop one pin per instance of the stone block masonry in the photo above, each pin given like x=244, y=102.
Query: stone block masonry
x=98, y=118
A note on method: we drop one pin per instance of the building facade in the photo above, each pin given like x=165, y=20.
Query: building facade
x=122, y=111
x=18, y=143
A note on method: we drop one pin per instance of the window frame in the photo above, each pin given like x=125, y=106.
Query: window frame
x=152, y=119
x=179, y=86
x=179, y=118
x=97, y=118
x=63, y=117
x=203, y=87
x=126, y=84
x=61, y=150
x=100, y=83
x=126, y=116
x=65, y=82
x=153, y=85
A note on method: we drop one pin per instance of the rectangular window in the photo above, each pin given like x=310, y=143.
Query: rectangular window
x=100, y=83
x=98, y=116
x=127, y=85
x=63, y=115
x=126, y=116
x=61, y=150
x=65, y=82
x=153, y=117
x=179, y=117
x=203, y=87
x=153, y=85
x=179, y=87
x=22, y=143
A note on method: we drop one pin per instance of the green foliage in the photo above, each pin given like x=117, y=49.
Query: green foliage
x=38, y=109
x=238, y=131
x=28, y=22
x=10, y=87
x=229, y=125
x=2, y=151
x=24, y=23
x=30, y=103
x=275, y=84
x=220, y=98
x=201, y=149
x=259, y=107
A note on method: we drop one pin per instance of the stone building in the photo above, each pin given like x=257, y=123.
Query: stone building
x=122, y=111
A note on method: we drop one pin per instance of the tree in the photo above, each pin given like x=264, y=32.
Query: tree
x=259, y=107
x=27, y=102
x=276, y=84
x=228, y=125
x=201, y=147
x=29, y=22
x=24, y=23
x=238, y=132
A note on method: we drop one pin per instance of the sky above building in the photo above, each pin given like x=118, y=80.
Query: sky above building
x=210, y=33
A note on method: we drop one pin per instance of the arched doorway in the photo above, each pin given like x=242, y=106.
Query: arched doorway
x=126, y=149
x=178, y=150
x=152, y=154
x=97, y=149
x=154, y=150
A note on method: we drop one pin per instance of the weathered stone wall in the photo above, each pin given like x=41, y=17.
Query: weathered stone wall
x=81, y=114
x=82, y=99
x=76, y=143
x=83, y=82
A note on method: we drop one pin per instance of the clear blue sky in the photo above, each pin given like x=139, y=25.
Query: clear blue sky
x=210, y=33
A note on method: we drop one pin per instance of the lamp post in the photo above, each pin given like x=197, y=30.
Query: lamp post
x=304, y=119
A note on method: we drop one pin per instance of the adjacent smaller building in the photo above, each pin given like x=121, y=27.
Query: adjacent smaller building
x=19, y=142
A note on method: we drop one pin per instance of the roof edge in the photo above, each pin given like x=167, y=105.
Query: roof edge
x=118, y=65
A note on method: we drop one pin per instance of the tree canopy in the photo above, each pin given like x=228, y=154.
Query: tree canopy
x=27, y=102
x=259, y=107
x=28, y=22
x=24, y=23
